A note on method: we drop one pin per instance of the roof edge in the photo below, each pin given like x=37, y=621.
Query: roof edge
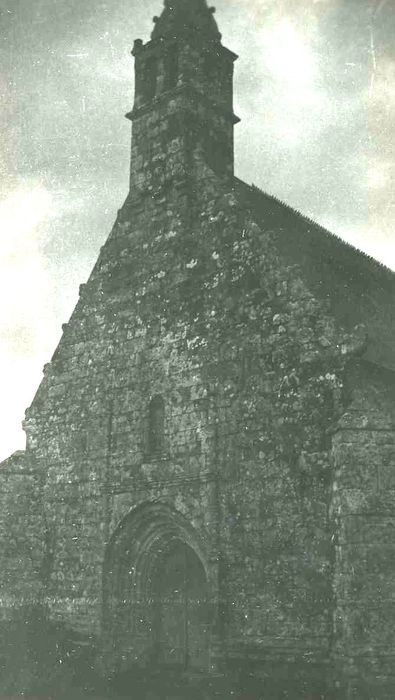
x=255, y=190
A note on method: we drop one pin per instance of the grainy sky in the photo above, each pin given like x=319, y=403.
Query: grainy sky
x=314, y=86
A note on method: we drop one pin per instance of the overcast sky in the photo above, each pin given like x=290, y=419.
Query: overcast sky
x=314, y=86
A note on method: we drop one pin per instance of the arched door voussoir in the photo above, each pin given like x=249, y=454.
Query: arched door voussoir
x=156, y=591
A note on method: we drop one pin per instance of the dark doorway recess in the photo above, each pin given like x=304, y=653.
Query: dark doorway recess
x=158, y=607
x=181, y=620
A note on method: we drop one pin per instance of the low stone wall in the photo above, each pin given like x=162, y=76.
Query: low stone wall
x=21, y=535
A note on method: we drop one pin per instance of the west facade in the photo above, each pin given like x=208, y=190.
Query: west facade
x=209, y=473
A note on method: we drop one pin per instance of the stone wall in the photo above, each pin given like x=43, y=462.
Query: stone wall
x=22, y=531
x=250, y=368
x=364, y=512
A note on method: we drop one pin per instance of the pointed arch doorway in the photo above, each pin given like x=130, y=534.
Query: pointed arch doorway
x=157, y=608
x=181, y=622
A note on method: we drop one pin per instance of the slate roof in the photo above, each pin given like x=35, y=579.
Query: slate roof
x=359, y=289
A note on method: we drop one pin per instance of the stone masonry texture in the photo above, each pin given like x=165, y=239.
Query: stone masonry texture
x=223, y=393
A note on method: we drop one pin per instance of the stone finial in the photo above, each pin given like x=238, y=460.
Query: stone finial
x=186, y=16
x=138, y=44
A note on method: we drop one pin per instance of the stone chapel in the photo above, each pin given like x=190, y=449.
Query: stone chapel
x=209, y=474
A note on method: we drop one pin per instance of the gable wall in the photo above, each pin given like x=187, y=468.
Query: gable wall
x=250, y=366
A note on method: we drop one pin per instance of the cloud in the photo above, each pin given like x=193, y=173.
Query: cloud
x=378, y=174
x=287, y=54
x=371, y=238
x=26, y=311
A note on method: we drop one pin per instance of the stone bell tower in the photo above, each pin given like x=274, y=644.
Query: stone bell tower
x=183, y=115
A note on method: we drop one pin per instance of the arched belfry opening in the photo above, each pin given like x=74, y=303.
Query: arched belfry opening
x=157, y=601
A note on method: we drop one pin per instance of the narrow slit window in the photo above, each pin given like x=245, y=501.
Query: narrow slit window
x=149, y=78
x=171, y=68
x=156, y=425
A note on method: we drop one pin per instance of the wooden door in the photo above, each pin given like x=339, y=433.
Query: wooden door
x=181, y=627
